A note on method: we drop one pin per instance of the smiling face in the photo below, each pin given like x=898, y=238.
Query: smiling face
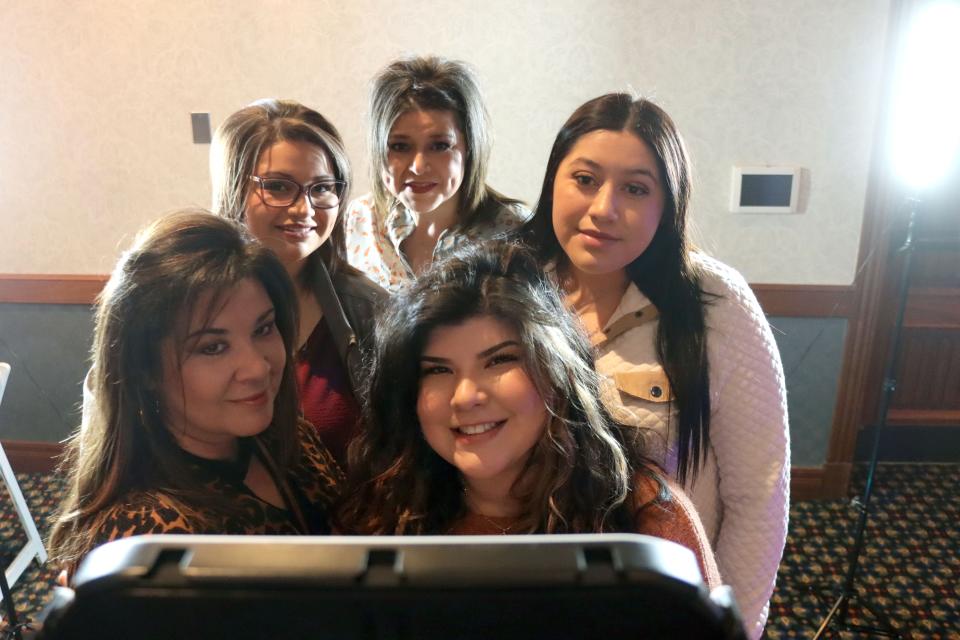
x=478, y=408
x=221, y=384
x=608, y=200
x=295, y=231
x=426, y=151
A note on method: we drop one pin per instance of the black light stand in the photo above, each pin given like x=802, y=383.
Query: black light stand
x=837, y=615
x=13, y=625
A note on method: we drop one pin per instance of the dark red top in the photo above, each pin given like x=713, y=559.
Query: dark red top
x=325, y=394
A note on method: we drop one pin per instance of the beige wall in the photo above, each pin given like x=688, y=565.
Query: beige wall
x=96, y=96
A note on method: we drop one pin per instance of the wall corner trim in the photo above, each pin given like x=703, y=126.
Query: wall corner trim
x=805, y=300
x=30, y=288
x=790, y=300
x=27, y=456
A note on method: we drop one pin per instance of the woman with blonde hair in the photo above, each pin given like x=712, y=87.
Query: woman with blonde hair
x=280, y=168
x=429, y=147
x=193, y=425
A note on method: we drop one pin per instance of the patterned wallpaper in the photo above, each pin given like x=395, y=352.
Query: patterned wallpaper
x=95, y=130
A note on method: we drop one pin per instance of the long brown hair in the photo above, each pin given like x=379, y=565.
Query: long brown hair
x=246, y=134
x=126, y=446
x=664, y=273
x=579, y=477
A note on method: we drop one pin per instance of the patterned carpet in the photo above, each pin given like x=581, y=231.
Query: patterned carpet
x=33, y=589
x=910, y=568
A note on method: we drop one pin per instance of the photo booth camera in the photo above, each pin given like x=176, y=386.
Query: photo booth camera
x=557, y=587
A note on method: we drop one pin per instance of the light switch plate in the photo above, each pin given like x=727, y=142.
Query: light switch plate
x=200, y=123
x=765, y=189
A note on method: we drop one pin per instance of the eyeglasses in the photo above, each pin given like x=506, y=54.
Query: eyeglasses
x=280, y=192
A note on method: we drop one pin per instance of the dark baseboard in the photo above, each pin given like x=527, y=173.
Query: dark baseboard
x=32, y=457
x=806, y=483
x=911, y=444
x=836, y=480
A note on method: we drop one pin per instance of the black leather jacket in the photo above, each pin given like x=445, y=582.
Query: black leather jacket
x=349, y=301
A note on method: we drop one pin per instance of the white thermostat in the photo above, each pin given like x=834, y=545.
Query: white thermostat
x=765, y=189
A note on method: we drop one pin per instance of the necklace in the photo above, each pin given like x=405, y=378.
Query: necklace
x=503, y=530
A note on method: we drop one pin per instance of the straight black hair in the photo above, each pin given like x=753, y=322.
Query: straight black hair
x=664, y=272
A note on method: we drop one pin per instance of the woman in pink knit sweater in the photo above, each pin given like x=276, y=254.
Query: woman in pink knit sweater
x=687, y=354
x=484, y=417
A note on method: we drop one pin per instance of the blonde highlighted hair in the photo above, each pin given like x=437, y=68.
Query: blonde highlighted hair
x=432, y=83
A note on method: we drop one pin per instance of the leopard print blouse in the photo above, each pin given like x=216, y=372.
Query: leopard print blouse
x=312, y=482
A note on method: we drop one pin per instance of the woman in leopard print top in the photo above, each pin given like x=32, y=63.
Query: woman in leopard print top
x=311, y=480
x=195, y=426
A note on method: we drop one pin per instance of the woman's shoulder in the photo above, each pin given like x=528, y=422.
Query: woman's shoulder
x=360, y=298
x=360, y=206
x=670, y=515
x=138, y=512
x=498, y=216
x=317, y=460
x=350, y=282
x=143, y=512
x=729, y=296
x=648, y=489
x=511, y=215
x=516, y=210
x=718, y=277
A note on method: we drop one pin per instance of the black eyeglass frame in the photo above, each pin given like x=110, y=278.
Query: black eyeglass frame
x=339, y=187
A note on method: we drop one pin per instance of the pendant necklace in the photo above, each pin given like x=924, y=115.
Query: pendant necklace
x=503, y=530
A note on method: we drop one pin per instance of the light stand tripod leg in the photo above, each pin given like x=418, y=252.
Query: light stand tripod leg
x=838, y=612
x=13, y=624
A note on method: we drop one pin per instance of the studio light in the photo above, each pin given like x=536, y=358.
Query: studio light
x=924, y=134
x=925, y=111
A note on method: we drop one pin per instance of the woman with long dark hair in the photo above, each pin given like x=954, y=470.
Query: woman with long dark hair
x=680, y=337
x=484, y=417
x=192, y=425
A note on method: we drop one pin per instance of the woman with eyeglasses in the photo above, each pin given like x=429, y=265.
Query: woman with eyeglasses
x=281, y=169
x=685, y=346
x=429, y=152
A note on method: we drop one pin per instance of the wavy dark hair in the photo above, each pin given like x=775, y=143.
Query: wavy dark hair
x=664, y=273
x=181, y=261
x=246, y=134
x=579, y=478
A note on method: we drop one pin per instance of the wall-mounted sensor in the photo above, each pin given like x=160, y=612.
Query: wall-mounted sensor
x=200, y=123
x=765, y=189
